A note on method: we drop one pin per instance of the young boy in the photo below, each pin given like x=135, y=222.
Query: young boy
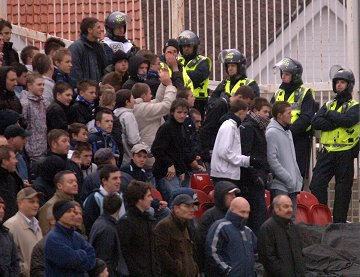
x=27, y=55
x=78, y=133
x=57, y=112
x=135, y=168
x=62, y=66
x=84, y=152
x=82, y=111
x=34, y=113
x=138, y=69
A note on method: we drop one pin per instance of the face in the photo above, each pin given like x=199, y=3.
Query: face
x=17, y=143
x=232, y=69
x=69, y=184
x=65, y=65
x=285, y=118
x=143, y=68
x=188, y=49
x=78, y=219
x=180, y=114
x=68, y=218
x=3, y=141
x=122, y=66
x=89, y=94
x=145, y=203
x=286, y=77
x=147, y=96
x=171, y=50
x=22, y=79
x=37, y=88
x=248, y=101
x=185, y=211
x=242, y=210
x=2, y=212
x=140, y=158
x=340, y=85
x=112, y=184
x=285, y=208
x=228, y=198
x=29, y=207
x=82, y=136
x=119, y=31
x=11, y=81
x=242, y=114
x=264, y=112
x=106, y=123
x=197, y=120
x=61, y=146
x=95, y=32
x=156, y=66
x=105, y=273
x=6, y=32
x=10, y=164
x=85, y=158
x=190, y=99
x=65, y=98
x=130, y=103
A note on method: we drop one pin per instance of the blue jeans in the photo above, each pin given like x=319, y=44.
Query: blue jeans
x=293, y=197
x=166, y=186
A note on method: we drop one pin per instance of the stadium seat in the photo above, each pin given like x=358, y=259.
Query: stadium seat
x=156, y=194
x=320, y=214
x=202, y=208
x=201, y=181
x=302, y=214
x=267, y=198
x=211, y=195
x=202, y=196
x=306, y=198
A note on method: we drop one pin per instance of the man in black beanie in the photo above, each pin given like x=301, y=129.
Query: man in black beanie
x=66, y=251
x=120, y=64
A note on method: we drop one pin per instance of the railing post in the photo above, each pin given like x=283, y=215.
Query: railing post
x=3, y=9
x=177, y=17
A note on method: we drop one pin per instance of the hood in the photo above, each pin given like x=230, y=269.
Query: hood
x=119, y=111
x=274, y=124
x=134, y=64
x=221, y=188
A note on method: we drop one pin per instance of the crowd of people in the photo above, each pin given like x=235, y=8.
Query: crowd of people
x=88, y=132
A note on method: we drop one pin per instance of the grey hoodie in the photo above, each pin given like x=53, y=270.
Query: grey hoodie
x=281, y=158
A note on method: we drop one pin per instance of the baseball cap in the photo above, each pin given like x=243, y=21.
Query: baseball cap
x=28, y=193
x=185, y=199
x=139, y=147
x=235, y=190
x=171, y=42
x=13, y=131
x=103, y=155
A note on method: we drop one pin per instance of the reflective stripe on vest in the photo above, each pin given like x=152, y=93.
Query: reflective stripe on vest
x=242, y=82
x=295, y=100
x=186, y=79
x=341, y=138
x=202, y=90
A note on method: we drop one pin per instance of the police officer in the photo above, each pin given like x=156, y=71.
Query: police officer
x=235, y=66
x=338, y=121
x=302, y=108
x=114, y=40
x=197, y=67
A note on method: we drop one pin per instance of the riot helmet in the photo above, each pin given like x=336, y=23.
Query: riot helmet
x=338, y=72
x=233, y=56
x=291, y=66
x=188, y=38
x=115, y=19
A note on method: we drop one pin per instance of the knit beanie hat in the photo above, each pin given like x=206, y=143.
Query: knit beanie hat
x=98, y=269
x=62, y=207
x=171, y=42
x=119, y=56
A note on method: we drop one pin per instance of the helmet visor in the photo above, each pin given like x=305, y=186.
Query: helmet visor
x=231, y=56
x=286, y=65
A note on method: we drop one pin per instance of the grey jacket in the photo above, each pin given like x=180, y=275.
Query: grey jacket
x=281, y=158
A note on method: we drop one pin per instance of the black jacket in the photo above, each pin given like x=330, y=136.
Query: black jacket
x=201, y=73
x=8, y=100
x=80, y=112
x=10, y=185
x=168, y=149
x=10, y=54
x=135, y=231
x=280, y=248
x=134, y=64
x=105, y=240
x=57, y=116
x=9, y=260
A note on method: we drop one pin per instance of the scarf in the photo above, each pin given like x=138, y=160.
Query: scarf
x=79, y=98
x=261, y=121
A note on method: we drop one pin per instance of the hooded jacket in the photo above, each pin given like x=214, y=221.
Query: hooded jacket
x=8, y=99
x=134, y=64
x=281, y=158
x=9, y=259
x=10, y=54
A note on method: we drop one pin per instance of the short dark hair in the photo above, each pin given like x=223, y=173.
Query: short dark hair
x=41, y=63
x=139, y=89
x=84, y=84
x=122, y=96
x=112, y=203
x=246, y=92
x=184, y=93
x=60, y=88
x=59, y=177
x=5, y=152
x=75, y=128
x=53, y=44
x=136, y=190
x=20, y=69
x=55, y=134
x=86, y=23
x=114, y=79
x=83, y=146
x=106, y=170
x=238, y=105
x=258, y=103
x=99, y=114
x=4, y=23
x=26, y=52
x=279, y=107
x=179, y=103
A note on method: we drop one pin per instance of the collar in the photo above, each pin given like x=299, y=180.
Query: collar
x=67, y=231
x=32, y=224
x=103, y=191
x=63, y=196
x=282, y=221
x=180, y=223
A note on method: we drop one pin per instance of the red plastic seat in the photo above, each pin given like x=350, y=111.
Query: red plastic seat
x=302, y=214
x=267, y=198
x=201, y=181
x=202, y=208
x=306, y=198
x=202, y=196
x=156, y=194
x=211, y=195
x=320, y=214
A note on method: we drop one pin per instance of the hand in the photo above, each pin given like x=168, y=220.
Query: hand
x=26, y=183
x=171, y=61
x=171, y=172
x=182, y=177
x=165, y=77
x=163, y=205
